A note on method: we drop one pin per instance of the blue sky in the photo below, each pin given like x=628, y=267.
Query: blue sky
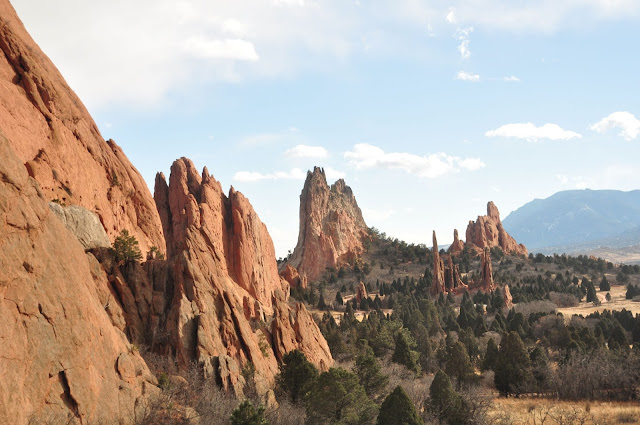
x=428, y=109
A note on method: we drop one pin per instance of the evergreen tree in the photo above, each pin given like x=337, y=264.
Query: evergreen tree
x=337, y=397
x=591, y=294
x=248, y=414
x=368, y=371
x=125, y=248
x=339, y=300
x=321, y=304
x=490, y=355
x=444, y=402
x=513, y=374
x=403, y=353
x=458, y=365
x=397, y=409
x=604, y=284
x=296, y=375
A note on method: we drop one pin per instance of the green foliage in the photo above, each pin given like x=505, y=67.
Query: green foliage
x=404, y=355
x=604, y=284
x=513, y=374
x=296, y=375
x=444, y=402
x=126, y=248
x=368, y=371
x=458, y=365
x=248, y=414
x=163, y=381
x=397, y=409
x=337, y=397
x=490, y=355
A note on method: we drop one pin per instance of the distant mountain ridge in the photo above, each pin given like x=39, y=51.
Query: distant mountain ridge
x=578, y=220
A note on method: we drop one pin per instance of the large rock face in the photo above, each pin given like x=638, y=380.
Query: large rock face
x=487, y=232
x=331, y=226
x=84, y=224
x=229, y=305
x=62, y=359
x=52, y=133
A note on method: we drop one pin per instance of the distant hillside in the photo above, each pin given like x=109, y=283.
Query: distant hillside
x=577, y=220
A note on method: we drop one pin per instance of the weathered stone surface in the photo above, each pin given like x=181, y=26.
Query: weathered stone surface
x=487, y=284
x=453, y=282
x=457, y=246
x=331, y=226
x=62, y=359
x=84, y=224
x=438, y=285
x=290, y=274
x=55, y=137
x=361, y=292
x=487, y=231
x=508, y=299
x=225, y=281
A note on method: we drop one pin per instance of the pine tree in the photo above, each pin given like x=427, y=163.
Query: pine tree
x=490, y=355
x=368, y=371
x=403, y=353
x=339, y=300
x=296, y=375
x=248, y=414
x=513, y=374
x=126, y=248
x=444, y=402
x=604, y=284
x=337, y=397
x=397, y=409
x=458, y=365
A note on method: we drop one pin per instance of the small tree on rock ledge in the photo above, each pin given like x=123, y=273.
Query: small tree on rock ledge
x=126, y=248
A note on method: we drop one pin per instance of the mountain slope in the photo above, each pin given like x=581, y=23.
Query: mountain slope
x=574, y=217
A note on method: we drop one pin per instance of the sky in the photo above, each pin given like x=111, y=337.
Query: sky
x=427, y=109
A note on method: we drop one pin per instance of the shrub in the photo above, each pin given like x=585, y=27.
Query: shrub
x=126, y=248
x=248, y=414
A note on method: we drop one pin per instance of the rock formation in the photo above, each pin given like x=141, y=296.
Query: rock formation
x=487, y=284
x=438, y=285
x=68, y=317
x=290, y=274
x=457, y=246
x=62, y=359
x=331, y=226
x=84, y=224
x=452, y=280
x=508, y=299
x=226, y=288
x=361, y=292
x=487, y=231
x=56, y=139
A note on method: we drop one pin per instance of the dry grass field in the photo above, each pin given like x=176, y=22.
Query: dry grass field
x=618, y=302
x=537, y=411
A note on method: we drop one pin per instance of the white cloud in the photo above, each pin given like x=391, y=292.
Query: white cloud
x=451, y=16
x=364, y=156
x=512, y=78
x=232, y=49
x=531, y=133
x=254, y=176
x=465, y=76
x=462, y=34
x=628, y=124
x=333, y=174
x=304, y=151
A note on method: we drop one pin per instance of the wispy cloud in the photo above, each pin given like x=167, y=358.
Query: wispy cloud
x=364, y=155
x=254, y=176
x=531, y=133
x=512, y=78
x=465, y=76
x=230, y=49
x=628, y=124
x=462, y=34
x=305, y=151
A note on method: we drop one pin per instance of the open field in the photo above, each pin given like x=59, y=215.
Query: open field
x=535, y=411
x=618, y=302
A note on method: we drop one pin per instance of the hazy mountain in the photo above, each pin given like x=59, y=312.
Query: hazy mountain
x=577, y=219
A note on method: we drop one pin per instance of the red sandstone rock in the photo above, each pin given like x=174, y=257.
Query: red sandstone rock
x=361, y=292
x=331, y=226
x=487, y=231
x=487, y=284
x=225, y=280
x=290, y=274
x=438, y=285
x=508, y=299
x=457, y=246
x=62, y=359
x=55, y=137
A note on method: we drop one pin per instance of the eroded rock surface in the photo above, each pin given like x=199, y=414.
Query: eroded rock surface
x=331, y=226
x=84, y=224
x=487, y=231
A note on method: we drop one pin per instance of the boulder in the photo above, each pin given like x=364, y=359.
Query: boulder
x=84, y=224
